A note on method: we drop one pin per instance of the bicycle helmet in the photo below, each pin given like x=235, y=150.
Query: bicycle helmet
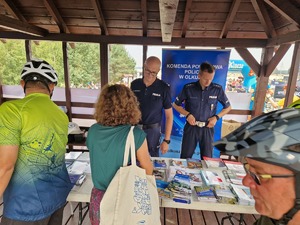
x=270, y=138
x=41, y=68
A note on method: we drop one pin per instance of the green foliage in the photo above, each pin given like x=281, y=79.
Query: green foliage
x=84, y=62
x=51, y=52
x=12, y=58
x=120, y=63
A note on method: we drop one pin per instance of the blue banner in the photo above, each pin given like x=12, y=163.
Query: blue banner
x=180, y=67
x=236, y=65
x=240, y=66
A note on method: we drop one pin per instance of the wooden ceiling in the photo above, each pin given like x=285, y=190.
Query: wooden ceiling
x=220, y=23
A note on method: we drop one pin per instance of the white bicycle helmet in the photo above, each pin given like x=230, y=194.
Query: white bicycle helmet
x=272, y=138
x=41, y=68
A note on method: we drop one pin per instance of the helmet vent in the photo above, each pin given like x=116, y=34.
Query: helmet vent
x=45, y=68
x=49, y=74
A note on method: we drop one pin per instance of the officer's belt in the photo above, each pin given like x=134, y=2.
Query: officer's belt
x=149, y=126
x=200, y=124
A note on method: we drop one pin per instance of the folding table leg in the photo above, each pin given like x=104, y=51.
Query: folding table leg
x=81, y=213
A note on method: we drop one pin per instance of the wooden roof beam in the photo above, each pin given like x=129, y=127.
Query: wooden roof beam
x=276, y=58
x=293, y=75
x=186, y=17
x=250, y=60
x=144, y=17
x=100, y=18
x=19, y=26
x=57, y=18
x=12, y=9
x=232, y=12
x=284, y=39
x=167, y=11
x=203, y=42
x=263, y=17
x=286, y=9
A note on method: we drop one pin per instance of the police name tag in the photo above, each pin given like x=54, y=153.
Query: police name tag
x=214, y=97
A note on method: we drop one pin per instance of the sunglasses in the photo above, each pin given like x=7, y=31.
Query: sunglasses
x=257, y=177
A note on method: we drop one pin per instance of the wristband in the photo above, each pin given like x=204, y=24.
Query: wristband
x=167, y=141
x=188, y=115
x=217, y=117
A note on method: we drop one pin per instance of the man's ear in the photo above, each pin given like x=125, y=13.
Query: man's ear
x=22, y=83
x=51, y=87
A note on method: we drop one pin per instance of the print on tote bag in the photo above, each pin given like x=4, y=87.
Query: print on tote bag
x=131, y=197
x=141, y=196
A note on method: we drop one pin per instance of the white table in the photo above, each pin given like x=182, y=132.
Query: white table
x=82, y=195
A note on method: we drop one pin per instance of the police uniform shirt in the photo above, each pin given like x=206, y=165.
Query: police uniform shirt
x=202, y=103
x=152, y=99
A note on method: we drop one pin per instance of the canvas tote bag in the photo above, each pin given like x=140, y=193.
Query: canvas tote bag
x=131, y=197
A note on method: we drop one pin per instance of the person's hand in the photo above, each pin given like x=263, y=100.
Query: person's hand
x=191, y=120
x=211, y=122
x=164, y=147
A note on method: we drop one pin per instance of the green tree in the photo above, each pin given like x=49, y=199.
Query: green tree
x=120, y=63
x=51, y=51
x=84, y=62
x=12, y=58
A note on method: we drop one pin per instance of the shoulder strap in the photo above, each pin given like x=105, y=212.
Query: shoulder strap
x=129, y=145
x=132, y=147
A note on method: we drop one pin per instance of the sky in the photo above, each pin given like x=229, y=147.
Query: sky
x=136, y=52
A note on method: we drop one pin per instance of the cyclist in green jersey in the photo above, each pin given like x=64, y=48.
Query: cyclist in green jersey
x=33, y=137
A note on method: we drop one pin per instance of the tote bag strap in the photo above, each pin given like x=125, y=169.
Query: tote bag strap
x=132, y=147
x=129, y=145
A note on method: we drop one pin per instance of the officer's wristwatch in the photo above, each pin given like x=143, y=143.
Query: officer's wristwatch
x=167, y=141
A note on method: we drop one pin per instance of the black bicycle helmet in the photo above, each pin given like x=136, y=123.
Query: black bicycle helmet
x=272, y=138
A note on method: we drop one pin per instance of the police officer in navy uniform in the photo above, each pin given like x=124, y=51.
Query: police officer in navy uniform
x=154, y=95
x=200, y=99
